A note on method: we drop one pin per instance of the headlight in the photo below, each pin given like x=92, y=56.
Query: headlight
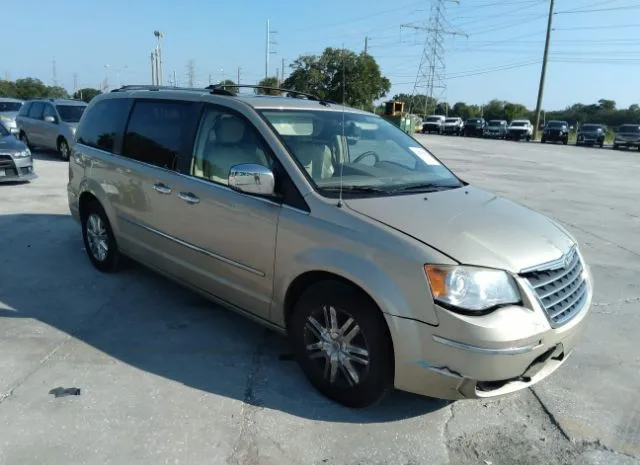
x=471, y=288
x=5, y=118
x=22, y=154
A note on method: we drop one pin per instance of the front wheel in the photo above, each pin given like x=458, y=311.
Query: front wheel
x=342, y=344
x=616, y=146
x=25, y=140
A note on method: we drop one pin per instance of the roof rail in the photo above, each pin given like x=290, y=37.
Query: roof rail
x=153, y=87
x=288, y=92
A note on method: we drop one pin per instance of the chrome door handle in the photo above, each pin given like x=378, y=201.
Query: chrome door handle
x=189, y=197
x=162, y=188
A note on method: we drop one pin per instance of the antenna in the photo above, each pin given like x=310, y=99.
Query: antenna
x=344, y=139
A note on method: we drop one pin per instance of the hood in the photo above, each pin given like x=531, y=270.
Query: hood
x=472, y=226
x=9, y=114
x=10, y=144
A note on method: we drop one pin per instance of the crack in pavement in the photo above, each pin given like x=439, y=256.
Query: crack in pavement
x=245, y=450
x=633, y=252
x=629, y=300
x=550, y=415
x=446, y=433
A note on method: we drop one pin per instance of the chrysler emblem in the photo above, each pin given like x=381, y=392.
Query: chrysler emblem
x=568, y=258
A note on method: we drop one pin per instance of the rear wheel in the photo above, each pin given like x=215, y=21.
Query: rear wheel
x=342, y=344
x=99, y=241
x=543, y=140
x=25, y=140
x=616, y=146
x=63, y=149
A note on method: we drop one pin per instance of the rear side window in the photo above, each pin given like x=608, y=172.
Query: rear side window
x=35, y=111
x=104, y=124
x=157, y=132
x=25, y=109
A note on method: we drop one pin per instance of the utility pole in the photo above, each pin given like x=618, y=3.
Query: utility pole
x=268, y=50
x=75, y=83
x=544, y=71
x=153, y=70
x=282, y=70
x=431, y=74
x=157, y=61
x=209, y=78
x=175, y=79
x=366, y=44
x=238, y=80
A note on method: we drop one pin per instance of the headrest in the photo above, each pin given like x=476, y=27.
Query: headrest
x=229, y=130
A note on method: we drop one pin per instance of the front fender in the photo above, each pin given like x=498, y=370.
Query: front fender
x=93, y=187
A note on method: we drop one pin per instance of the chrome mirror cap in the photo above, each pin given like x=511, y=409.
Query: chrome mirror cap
x=252, y=179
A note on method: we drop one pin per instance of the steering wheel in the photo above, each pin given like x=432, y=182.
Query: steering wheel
x=368, y=153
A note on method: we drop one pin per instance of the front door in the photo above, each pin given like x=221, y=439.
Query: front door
x=49, y=131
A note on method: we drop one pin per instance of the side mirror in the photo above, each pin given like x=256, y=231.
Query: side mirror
x=252, y=179
x=50, y=119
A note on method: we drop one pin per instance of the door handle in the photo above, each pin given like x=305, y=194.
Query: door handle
x=189, y=197
x=162, y=188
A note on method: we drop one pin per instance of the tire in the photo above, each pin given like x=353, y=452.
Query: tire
x=63, y=149
x=602, y=145
x=25, y=140
x=543, y=140
x=97, y=233
x=616, y=147
x=565, y=141
x=368, y=335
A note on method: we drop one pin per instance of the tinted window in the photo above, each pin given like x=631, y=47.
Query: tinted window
x=24, y=111
x=157, y=132
x=70, y=113
x=103, y=124
x=10, y=106
x=225, y=140
x=49, y=111
x=35, y=111
x=3, y=131
x=590, y=127
x=629, y=128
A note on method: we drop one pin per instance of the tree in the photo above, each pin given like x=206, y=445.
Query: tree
x=229, y=82
x=29, y=88
x=339, y=75
x=269, y=82
x=57, y=92
x=8, y=89
x=607, y=105
x=86, y=94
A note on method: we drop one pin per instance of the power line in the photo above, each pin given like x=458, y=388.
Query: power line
x=628, y=7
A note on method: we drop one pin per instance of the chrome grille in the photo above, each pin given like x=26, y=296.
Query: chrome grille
x=561, y=288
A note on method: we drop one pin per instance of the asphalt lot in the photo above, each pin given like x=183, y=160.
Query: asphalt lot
x=166, y=377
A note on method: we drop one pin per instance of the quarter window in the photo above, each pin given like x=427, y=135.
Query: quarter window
x=157, y=132
x=49, y=111
x=225, y=140
x=104, y=124
x=35, y=111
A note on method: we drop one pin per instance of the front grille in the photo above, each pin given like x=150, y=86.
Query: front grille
x=561, y=290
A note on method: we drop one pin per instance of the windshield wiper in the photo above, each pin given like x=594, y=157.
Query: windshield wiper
x=422, y=187
x=357, y=189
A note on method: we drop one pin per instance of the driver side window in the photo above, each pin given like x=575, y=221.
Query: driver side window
x=49, y=111
x=224, y=140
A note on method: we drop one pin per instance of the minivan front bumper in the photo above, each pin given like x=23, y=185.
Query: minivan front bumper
x=467, y=357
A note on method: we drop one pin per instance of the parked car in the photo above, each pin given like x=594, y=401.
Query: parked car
x=9, y=108
x=627, y=135
x=16, y=163
x=520, y=129
x=591, y=134
x=50, y=123
x=453, y=126
x=496, y=129
x=555, y=131
x=474, y=127
x=256, y=203
x=433, y=123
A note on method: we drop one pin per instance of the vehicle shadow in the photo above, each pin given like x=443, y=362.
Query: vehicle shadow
x=150, y=323
x=46, y=155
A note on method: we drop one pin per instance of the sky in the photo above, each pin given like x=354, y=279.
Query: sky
x=594, y=52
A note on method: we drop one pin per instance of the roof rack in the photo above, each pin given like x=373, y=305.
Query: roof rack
x=225, y=89
x=288, y=92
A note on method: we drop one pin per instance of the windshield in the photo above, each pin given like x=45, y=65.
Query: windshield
x=378, y=158
x=70, y=113
x=10, y=106
x=451, y=120
x=3, y=131
x=495, y=123
x=590, y=127
x=519, y=123
x=433, y=119
x=473, y=121
x=556, y=124
x=635, y=128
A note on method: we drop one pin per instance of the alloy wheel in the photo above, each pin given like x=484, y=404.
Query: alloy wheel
x=334, y=340
x=97, y=237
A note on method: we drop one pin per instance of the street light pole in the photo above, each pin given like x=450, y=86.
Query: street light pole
x=159, y=36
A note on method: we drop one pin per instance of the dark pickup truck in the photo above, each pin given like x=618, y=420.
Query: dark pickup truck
x=556, y=131
x=474, y=127
x=591, y=134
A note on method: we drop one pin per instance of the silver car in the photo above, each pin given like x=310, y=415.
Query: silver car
x=9, y=108
x=16, y=163
x=333, y=226
x=50, y=123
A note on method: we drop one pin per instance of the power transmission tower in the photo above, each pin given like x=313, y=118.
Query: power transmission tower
x=191, y=73
x=268, y=50
x=55, y=74
x=431, y=76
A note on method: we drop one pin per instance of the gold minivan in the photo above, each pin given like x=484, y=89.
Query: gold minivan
x=335, y=227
